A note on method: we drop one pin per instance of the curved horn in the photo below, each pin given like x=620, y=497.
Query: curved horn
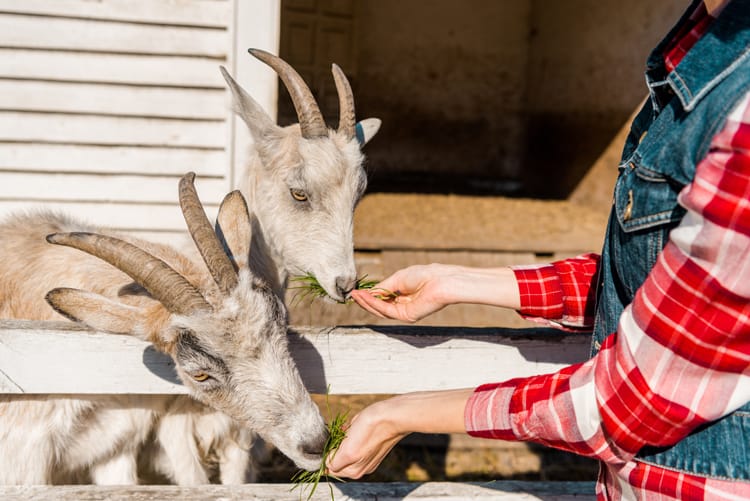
x=204, y=236
x=157, y=277
x=310, y=119
x=347, y=120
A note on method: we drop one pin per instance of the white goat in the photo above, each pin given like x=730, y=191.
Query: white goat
x=225, y=330
x=304, y=181
x=302, y=184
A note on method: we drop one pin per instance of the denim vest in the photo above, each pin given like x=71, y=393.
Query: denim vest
x=669, y=136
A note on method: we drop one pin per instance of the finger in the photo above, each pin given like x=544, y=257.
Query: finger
x=385, y=309
x=360, y=298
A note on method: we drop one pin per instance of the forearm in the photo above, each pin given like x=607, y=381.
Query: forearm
x=373, y=432
x=425, y=412
x=489, y=286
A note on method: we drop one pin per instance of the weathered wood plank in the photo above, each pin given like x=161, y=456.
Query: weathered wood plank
x=208, y=13
x=350, y=491
x=449, y=222
x=133, y=101
x=41, y=157
x=30, y=186
x=121, y=131
x=118, y=216
x=342, y=360
x=110, y=68
x=38, y=32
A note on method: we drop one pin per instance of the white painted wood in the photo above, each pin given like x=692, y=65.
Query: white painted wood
x=349, y=491
x=165, y=70
x=87, y=129
x=24, y=186
x=118, y=216
x=63, y=97
x=210, y=13
x=256, y=24
x=342, y=360
x=106, y=91
x=38, y=32
x=43, y=157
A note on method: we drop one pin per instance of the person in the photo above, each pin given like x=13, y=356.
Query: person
x=663, y=401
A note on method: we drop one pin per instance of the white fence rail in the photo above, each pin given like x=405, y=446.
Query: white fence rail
x=62, y=358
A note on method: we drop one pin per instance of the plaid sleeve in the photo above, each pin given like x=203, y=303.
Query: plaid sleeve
x=681, y=354
x=560, y=293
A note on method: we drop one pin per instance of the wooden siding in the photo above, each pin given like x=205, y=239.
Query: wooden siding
x=104, y=105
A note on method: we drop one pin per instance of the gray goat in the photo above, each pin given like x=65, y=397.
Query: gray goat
x=222, y=325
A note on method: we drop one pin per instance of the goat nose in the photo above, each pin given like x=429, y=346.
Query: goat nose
x=315, y=446
x=345, y=285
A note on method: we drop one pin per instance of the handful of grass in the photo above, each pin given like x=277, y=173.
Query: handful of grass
x=309, y=287
x=310, y=479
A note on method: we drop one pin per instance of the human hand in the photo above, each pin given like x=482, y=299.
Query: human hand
x=409, y=294
x=369, y=438
x=420, y=290
x=378, y=428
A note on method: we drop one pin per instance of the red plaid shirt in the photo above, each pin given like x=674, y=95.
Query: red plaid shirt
x=681, y=354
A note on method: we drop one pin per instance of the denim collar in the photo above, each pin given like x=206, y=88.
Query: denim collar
x=725, y=46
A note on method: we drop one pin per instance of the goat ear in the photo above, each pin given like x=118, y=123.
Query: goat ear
x=366, y=129
x=239, y=232
x=248, y=109
x=97, y=312
x=233, y=228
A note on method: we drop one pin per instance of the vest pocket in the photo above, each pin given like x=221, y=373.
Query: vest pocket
x=646, y=209
x=644, y=199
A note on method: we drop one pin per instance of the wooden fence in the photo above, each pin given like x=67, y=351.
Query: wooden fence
x=62, y=358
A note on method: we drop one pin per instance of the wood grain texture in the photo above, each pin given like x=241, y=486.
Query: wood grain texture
x=451, y=222
x=55, y=33
x=122, y=100
x=210, y=13
x=349, y=491
x=148, y=217
x=117, y=131
x=160, y=70
x=343, y=360
x=102, y=159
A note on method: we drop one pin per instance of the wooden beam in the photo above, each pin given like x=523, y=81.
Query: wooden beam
x=61, y=357
x=350, y=491
x=190, y=12
x=450, y=222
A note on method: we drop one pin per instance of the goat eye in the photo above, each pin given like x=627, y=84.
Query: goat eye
x=298, y=195
x=200, y=376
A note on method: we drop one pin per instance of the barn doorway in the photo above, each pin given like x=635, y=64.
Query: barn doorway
x=480, y=97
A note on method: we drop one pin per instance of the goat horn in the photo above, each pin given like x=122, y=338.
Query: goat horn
x=163, y=283
x=347, y=120
x=200, y=228
x=310, y=118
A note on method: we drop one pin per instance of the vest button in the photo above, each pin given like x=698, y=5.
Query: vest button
x=628, y=208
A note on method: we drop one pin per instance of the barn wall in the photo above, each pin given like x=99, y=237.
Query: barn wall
x=104, y=105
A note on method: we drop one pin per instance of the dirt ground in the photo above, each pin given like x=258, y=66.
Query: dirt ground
x=420, y=458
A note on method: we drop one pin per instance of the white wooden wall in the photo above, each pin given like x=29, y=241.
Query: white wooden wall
x=104, y=105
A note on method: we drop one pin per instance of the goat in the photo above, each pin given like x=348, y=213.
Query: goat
x=302, y=184
x=223, y=326
x=304, y=181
